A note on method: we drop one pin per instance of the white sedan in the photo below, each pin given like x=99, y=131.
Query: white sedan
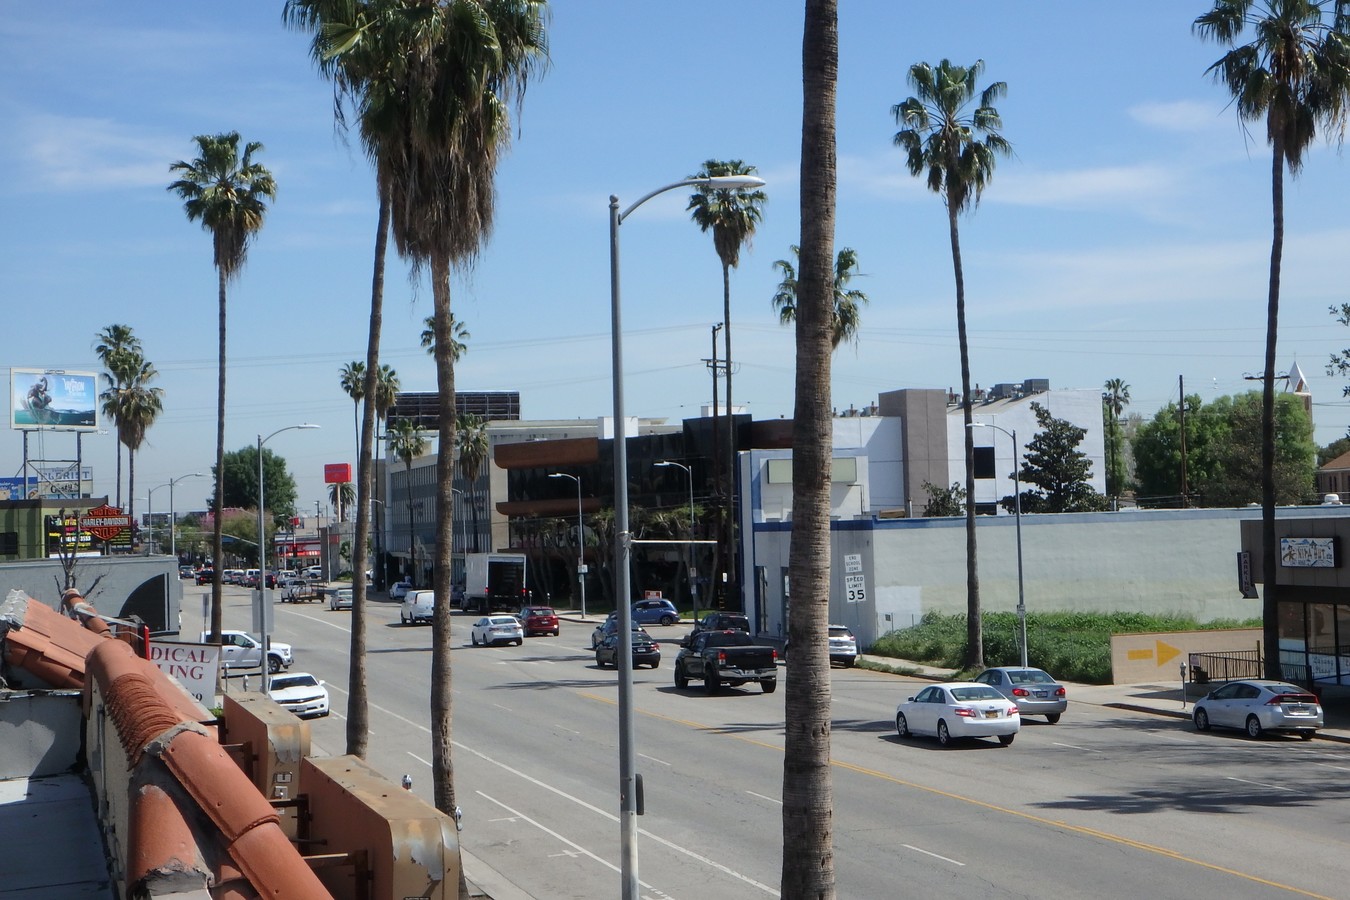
x=300, y=693
x=491, y=630
x=959, y=710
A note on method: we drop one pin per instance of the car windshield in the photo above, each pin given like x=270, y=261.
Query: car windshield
x=837, y=632
x=539, y=611
x=502, y=620
x=979, y=692
x=1029, y=676
x=289, y=681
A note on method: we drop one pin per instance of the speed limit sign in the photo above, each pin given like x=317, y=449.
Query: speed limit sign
x=855, y=588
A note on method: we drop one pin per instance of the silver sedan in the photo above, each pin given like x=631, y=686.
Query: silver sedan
x=1034, y=691
x=1259, y=706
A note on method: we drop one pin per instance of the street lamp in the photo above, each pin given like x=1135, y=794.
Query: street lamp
x=581, y=540
x=628, y=782
x=262, y=557
x=173, y=521
x=665, y=463
x=1017, y=514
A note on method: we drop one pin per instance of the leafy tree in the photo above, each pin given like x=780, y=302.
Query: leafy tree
x=732, y=215
x=1223, y=443
x=944, y=502
x=1294, y=74
x=1058, y=469
x=847, y=301
x=808, y=791
x=956, y=153
x=228, y=194
x=1336, y=448
x=241, y=483
x=1115, y=398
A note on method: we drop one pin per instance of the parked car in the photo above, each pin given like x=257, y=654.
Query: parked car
x=1034, y=691
x=418, y=606
x=1259, y=706
x=539, y=620
x=300, y=693
x=314, y=573
x=340, y=599
x=399, y=589
x=959, y=709
x=652, y=612
x=646, y=652
x=500, y=629
x=206, y=576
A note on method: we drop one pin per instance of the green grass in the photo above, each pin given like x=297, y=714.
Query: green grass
x=1074, y=646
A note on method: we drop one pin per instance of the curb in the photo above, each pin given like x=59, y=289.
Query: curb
x=1178, y=714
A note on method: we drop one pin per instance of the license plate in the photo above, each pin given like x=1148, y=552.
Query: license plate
x=991, y=714
x=1042, y=693
x=1298, y=710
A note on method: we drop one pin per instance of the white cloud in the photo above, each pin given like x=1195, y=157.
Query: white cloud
x=81, y=154
x=1179, y=115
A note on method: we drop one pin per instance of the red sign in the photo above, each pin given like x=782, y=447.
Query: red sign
x=337, y=473
x=105, y=522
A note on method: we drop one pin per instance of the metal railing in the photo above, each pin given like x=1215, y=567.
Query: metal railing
x=1226, y=665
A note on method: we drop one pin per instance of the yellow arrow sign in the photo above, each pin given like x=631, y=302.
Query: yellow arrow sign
x=1165, y=653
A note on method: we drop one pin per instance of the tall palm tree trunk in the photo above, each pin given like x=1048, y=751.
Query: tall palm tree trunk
x=218, y=522
x=974, y=624
x=1269, y=558
x=733, y=583
x=358, y=708
x=808, y=793
x=131, y=484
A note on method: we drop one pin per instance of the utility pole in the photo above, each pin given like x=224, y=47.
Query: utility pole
x=717, y=463
x=1185, y=492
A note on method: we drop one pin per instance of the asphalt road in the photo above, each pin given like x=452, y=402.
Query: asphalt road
x=1107, y=804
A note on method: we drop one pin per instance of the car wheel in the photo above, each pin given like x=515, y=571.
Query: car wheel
x=848, y=663
x=599, y=663
x=902, y=725
x=1052, y=718
x=1006, y=739
x=332, y=607
x=681, y=682
x=1254, y=729
x=557, y=632
x=711, y=683
x=1201, y=720
x=520, y=642
x=1307, y=735
x=667, y=620
x=657, y=664
x=944, y=736
x=474, y=638
x=273, y=665
x=769, y=685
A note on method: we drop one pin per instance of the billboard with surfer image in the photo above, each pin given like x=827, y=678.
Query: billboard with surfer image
x=53, y=399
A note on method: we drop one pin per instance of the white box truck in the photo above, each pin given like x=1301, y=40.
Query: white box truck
x=494, y=581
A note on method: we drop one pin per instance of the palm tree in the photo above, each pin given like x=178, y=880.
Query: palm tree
x=138, y=406
x=847, y=301
x=808, y=836
x=116, y=349
x=407, y=442
x=353, y=379
x=1294, y=74
x=386, y=390
x=342, y=495
x=228, y=194
x=460, y=335
x=956, y=152
x=1114, y=400
x=472, y=438
x=732, y=215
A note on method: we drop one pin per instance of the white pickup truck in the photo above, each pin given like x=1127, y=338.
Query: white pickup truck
x=241, y=650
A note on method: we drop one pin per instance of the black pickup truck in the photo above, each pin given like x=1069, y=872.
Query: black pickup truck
x=726, y=657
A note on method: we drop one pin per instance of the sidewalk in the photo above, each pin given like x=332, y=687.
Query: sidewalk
x=1155, y=699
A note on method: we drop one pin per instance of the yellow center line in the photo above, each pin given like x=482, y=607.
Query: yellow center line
x=1031, y=817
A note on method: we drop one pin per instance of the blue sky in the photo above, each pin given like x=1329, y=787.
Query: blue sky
x=1127, y=238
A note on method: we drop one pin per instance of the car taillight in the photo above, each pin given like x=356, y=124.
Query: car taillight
x=964, y=712
x=721, y=657
x=1281, y=699
x=775, y=656
x=1060, y=692
x=1021, y=692
x=1014, y=711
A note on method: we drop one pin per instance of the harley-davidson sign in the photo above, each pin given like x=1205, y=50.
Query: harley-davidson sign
x=105, y=522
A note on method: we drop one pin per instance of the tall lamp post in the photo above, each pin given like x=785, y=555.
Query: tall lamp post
x=379, y=545
x=173, y=520
x=629, y=785
x=1017, y=514
x=688, y=470
x=262, y=557
x=581, y=540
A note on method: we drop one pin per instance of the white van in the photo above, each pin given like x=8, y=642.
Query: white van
x=418, y=606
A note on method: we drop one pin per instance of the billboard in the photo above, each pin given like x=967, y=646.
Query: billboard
x=53, y=399
x=337, y=473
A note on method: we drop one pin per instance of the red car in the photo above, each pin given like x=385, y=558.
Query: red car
x=538, y=620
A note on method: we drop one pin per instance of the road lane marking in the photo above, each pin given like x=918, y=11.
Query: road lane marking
x=565, y=728
x=762, y=797
x=955, y=862
x=773, y=892
x=654, y=759
x=1076, y=747
x=1031, y=817
x=1258, y=783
